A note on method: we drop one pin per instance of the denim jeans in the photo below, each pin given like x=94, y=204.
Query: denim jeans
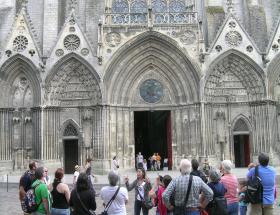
x=137, y=208
x=233, y=208
x=243, y=210
x=56, y=211
x=179, y=211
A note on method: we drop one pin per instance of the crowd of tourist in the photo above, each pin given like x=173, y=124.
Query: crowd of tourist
x=194, y=192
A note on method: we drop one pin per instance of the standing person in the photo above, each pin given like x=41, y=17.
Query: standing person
x=231, y=184
x=165, y=164
x=145, y=165
x=115, y=164
x=82, y=199
x=197, y=172
x=161, y=206
x=142, y=187
x=140, y=160
x=206, y=167
x=242, y=203
x=42, y=197
x=158, y=163
x=89, y=173
x=26, y=181
x=178, y=188
x=47, y=178
x=267, y=175
x=218, y=189
x=154, y=161
x=117, y=207
x=60, y=195
x=76, y=175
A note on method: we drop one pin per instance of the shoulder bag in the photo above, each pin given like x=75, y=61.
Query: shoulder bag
x=83, y=205
x=110, y=202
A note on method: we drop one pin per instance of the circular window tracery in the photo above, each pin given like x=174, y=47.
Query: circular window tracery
x=72, y=42
x=151, y=91
x=20, y=43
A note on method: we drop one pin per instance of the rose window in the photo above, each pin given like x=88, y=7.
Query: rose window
x=72, y=42
x=20, y=43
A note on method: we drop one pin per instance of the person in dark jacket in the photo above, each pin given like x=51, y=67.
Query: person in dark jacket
x=82, y=198
x=217, y=187
x=197, y=172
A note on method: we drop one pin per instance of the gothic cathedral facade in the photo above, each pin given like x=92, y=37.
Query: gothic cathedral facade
x=99, y=78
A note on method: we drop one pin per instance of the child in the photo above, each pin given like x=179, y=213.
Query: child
x=242, y=204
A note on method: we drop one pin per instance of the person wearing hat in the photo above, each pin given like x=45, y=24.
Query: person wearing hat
x=76, y=175
x=217, y=187
x=142, y=187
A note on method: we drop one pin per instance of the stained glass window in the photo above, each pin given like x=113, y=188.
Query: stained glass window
x=177, y=6
x=120, y=6
x=138, y=6
x=159, y=6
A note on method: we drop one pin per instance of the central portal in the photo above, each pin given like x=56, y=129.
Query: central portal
x=152, y=131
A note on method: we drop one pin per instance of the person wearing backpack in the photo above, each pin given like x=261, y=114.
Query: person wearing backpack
x=267, y=175
x=218, y=206
x=25, y=182
x=42, y=197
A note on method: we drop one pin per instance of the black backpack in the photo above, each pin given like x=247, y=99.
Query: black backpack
x=219, y=206
x=254, y=189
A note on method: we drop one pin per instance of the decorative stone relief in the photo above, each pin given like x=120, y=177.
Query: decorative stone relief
x=31, y=52
x=85, y=51
x=249, y=48
x=73, y=85
x=275, y=47
x=218, y=48
x=59, y=52
x=71, y=42
x=22, y=95
x=233, y=38
x=113, y=39
x=8, y=53
x=187, y=37
x=20, y=43
x=232, y=24
x=21, y=29
x=72, y=29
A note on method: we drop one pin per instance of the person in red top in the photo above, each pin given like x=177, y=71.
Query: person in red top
x=161, y=206
x=230, y=182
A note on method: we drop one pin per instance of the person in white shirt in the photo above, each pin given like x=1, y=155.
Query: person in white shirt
x=115, y=164
x=76, y=175
x=118, y=205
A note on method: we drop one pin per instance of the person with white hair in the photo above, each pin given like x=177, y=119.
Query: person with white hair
x=178, y=187
x=114, y=206
x=230, y=182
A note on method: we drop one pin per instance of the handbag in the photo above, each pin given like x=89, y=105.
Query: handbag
x=110, y=202
x=179, y=210
x=83, y=205
x=146, y=202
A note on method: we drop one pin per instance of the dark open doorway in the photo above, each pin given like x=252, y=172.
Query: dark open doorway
x=152, y=130
x=70, y=155
x=242, y=150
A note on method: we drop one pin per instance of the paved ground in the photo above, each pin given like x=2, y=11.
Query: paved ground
x=9, y=203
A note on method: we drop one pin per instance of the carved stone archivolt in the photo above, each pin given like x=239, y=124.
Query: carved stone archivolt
x=232, y=79
x=233, y=38
x=73, y=85
x=113, y=39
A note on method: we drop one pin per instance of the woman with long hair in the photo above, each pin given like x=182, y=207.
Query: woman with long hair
x=60, y=194
x=82, y=198
x=142, y=187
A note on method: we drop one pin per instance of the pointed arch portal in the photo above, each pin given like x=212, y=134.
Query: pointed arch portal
x=241, y=143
